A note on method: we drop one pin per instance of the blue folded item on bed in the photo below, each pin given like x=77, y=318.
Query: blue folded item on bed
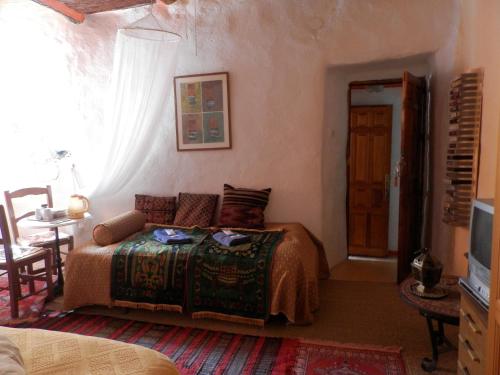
x=231, y=239
x=179, y=237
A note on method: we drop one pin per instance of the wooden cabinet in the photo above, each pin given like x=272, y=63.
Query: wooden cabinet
x=472, y=337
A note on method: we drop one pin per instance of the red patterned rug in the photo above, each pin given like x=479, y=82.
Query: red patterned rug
x=29, y=308
x=198, y=351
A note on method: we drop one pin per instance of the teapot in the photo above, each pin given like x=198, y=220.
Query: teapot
x=78, y=205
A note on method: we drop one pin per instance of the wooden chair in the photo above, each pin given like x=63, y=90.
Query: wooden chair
x=42, y=239
x=18, y=264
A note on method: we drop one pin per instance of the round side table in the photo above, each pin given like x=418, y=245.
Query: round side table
x=31, y=222
x=442, y=311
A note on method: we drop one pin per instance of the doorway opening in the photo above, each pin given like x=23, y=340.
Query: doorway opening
x=385, y=168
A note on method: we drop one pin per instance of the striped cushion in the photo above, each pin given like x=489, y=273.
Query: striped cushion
x=243, y=208
x=245, y=197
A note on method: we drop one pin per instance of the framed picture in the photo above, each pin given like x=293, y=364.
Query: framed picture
x=202, y=111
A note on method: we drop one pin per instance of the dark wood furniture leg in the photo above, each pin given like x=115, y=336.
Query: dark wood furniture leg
x=437, y=337
x=58, y=289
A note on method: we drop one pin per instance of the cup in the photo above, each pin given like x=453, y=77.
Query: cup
x=47, y=214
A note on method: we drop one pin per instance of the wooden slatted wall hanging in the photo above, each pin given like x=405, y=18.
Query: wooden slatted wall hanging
x=462, y=161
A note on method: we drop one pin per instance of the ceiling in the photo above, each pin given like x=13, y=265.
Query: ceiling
x=76, y=10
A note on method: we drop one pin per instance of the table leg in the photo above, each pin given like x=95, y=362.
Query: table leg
x=428, y=364
x=58, y=289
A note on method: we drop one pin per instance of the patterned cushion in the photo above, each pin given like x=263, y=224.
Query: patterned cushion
x=243, y=208
x=195, y=209
x=241, y=217
x=158, y=210
x=245, y=197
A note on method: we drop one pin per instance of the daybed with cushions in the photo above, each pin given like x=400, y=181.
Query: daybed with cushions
x=277, y=271
x=45, y=352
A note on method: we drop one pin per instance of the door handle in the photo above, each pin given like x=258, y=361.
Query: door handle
x=468, y=348
x=463, y=369
x=472, y=324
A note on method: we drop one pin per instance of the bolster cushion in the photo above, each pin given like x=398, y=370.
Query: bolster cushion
x=119, y=227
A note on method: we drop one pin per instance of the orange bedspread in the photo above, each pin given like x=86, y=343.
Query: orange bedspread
x=298, y=263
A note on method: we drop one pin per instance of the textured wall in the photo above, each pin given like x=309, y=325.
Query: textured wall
x=278, y=54
x=479, y=48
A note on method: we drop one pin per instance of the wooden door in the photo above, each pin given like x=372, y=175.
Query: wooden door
x=493, y=346
x=369, y=163
x=413, y=118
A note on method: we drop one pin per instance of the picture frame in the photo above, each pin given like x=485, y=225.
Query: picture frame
x=202, y=111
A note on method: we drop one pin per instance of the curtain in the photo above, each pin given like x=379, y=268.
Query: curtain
x=143, y=67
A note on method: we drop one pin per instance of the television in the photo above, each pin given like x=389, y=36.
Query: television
x=481, y=232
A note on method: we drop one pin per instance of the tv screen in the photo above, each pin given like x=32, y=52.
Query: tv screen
x=480, y=236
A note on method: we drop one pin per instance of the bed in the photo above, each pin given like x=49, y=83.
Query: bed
x=49, y=353
x=297, y=265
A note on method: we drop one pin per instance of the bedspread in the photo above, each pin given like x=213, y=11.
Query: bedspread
x=51, y=353
x=298, y=263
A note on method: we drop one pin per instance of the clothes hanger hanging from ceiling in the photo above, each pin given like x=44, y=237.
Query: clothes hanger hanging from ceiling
x=149, y=22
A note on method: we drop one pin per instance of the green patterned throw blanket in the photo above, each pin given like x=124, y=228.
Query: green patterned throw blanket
x=149, y=272
x=204, y=275
x=233, y=280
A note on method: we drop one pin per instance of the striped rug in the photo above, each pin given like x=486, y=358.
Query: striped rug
x=198, y=351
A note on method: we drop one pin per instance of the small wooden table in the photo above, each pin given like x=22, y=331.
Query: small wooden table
x=32, y=223
x=443, y=311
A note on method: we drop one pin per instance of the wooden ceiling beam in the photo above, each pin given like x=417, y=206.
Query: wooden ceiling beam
x=74, y=15
x=97, y=6
x=76, y=10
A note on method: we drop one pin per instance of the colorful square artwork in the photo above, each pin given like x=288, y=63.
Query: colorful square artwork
x=212, y=96
x=202, y=111
x=191, y=97
x=192, y=129
x=213, y=127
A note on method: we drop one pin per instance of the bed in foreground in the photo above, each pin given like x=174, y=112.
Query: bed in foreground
x=49, y=353
x=297, y=264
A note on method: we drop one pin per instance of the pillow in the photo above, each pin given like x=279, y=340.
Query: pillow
x=195, y=209
x=243, y=208
x=241, y=217
x=245, y=197
x=11, y=361
x=158, y=210
x=119, y=227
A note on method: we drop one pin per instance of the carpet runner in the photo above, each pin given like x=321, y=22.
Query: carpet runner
x=198, y=351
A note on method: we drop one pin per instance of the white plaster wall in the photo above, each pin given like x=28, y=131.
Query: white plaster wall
x=277, y=53
x=479, y=47
x=388, y=96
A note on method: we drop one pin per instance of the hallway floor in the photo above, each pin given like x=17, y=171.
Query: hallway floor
x=380, y=270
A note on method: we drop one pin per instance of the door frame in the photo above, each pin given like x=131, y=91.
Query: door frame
x=386, y=83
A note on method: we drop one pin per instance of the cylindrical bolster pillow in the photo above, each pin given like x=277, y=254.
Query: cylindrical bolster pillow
x=119, y=227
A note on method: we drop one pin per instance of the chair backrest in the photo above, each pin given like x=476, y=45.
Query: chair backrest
x=5, y=239
x=10, y=195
